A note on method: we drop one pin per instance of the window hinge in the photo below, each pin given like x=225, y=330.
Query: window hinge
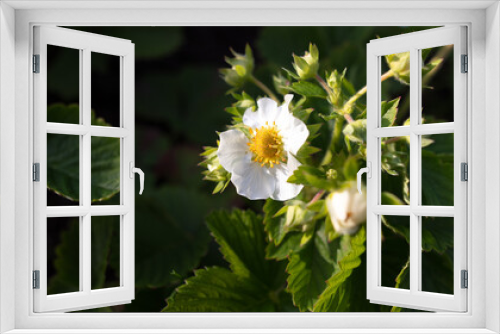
x=465, y=64
x=464, y=168
x=36, y=172
x=464, y=279
x=36, y=63
x=36, y=279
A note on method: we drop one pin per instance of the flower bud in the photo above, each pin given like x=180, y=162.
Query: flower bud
x=241, y=68
x=215, y=172
x=334, y=81
x=307, y=66
x=399, y=63
x=347, y=209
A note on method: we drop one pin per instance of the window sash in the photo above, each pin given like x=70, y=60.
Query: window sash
x=85, y=298
x=414, y=298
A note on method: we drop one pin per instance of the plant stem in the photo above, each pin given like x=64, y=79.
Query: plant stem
x=323, y=84
x=393, y=140
x=348, y=118
x=316, y=197
x=264, y=88
x=362, y=91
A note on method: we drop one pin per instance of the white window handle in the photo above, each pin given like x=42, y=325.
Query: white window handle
x=368, y=171
x=141, y=176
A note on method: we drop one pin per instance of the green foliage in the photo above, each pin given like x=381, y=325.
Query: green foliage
x=335, y=298
x=356, y=131
x=63, y=156
x=241, y=68
x=291, y=258
x=308, y=270
x=308, y=89
x=389, y=111
x=219, y=290
x=103, y=233
x=253, y=284
x=241, y=237
x=437, y=180
x=171, y=221
x=312, y=176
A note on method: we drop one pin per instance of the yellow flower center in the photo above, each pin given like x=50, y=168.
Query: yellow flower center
x=267, y=145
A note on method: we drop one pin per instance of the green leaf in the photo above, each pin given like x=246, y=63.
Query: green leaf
x=171, y=234
x=437, y=180
x=356, y=131
x=351, y=168
x=63, y=176
x=274, y=225
x=105, y=167
x=391, y=199
x=389, y=112
x=402, y=282
x=241, y=237
x=66, y=263
x=289, y=245
x=333, y=298
x=308, y=271
x=219, y=290
x=63, y=154
x=308, y=89
x=438, y=272
x=311, y=176
x=437, y=233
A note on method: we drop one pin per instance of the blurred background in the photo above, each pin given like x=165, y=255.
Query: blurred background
x=180, y=101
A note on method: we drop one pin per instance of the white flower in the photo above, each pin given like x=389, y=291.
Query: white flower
x=347, y=209
x=261, y=164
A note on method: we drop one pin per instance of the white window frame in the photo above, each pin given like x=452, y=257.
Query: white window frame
x=414, y=43
x=86, y=44
x=16, y=21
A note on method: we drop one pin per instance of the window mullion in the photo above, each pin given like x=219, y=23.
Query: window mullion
x=85, y=167
x=415, y=172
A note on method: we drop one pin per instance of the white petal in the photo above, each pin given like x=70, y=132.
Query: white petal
x=285, y=190
x=266, y=112
x=358, y=207
x=294, y=135
x=253, y=181
x=288, y=98
x=233, y=148
x=337, y=205
x=253, y=119
x=267, y=107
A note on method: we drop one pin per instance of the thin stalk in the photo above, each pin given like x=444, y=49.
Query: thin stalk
x=264, y=88
x=348, y=118
x=323, y=84
x=316, y=197
x=362, y=91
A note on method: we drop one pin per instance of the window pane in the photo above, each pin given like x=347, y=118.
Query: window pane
x=437, y=84
x=105, y=169
x=63, y=255
x=105, y=89
x=395, y=89
x=437, y=254
x=105, y=256
x=63, y=169
x=395, y=182
x=395, y=251
x=437, y=169
x=63, y=85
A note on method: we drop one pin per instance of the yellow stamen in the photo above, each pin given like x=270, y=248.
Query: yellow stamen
x=266, y=144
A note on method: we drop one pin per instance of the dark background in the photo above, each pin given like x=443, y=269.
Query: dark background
x=180, y=101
